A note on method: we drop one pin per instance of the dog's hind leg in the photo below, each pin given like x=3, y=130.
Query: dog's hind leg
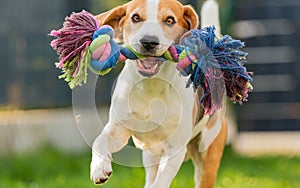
x=206, y=164
x=168, y=167
x=151, y=163
x=112, y=139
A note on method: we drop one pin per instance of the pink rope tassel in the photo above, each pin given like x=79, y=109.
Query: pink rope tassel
x=73, y=37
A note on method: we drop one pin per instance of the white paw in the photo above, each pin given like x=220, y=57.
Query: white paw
x=100, y=169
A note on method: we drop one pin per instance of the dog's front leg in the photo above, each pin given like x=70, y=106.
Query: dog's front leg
x=168, y=168
x=112, y=139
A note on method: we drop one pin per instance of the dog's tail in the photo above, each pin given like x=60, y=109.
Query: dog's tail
x=210, y=15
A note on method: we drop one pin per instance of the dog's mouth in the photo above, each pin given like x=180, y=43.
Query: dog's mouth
x=149, y=66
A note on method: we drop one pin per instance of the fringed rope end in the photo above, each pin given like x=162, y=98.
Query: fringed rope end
x=72, y=43
x=219, y=68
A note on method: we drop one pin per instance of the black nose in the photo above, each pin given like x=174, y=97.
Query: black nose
x=149, y=42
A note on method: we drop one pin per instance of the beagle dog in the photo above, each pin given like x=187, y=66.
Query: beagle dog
x=151, y=103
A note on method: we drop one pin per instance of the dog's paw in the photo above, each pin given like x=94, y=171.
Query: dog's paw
x=100, y=169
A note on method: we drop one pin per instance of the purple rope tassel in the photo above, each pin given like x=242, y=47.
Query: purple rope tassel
x=72, y=42
x=74, y=37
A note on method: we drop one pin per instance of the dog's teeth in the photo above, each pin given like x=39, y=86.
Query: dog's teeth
x=140, y=64
x=155, y=66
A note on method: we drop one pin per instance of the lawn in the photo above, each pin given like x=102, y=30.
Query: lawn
x=49, y=168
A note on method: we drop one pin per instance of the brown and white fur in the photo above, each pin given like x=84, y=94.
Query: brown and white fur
x=151, y=103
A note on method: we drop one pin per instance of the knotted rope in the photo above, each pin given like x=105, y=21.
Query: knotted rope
x=208, y=60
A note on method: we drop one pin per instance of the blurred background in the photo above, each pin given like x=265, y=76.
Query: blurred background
x=36, y=107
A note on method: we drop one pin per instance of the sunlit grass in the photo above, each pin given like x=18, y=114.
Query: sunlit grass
x=48, y=168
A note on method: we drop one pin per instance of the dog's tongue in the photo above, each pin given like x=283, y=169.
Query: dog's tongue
x=149, y=62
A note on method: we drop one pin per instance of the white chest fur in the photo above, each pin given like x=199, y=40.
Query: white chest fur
x=153, y=109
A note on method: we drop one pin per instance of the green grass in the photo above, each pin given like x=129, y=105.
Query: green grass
x=49, y=168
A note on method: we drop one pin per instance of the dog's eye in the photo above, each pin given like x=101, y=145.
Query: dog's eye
x=136, y=18
x=170, y=20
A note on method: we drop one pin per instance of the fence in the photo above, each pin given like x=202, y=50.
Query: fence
x=271, y=30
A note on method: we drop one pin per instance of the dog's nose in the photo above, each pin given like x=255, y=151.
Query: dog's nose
x=149, y=42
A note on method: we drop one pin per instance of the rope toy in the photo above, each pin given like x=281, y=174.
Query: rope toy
x=210, y=62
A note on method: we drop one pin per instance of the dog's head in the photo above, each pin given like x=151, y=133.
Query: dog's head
x=150, y=27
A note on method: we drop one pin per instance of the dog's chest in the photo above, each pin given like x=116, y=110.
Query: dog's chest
x=154, y=98
x=154, y=105
x=156, y=110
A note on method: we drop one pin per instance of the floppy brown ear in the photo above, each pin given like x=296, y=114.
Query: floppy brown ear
x=191, y=17
x=113, y=18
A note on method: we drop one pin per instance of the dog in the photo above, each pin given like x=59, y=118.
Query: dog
x=151, y=103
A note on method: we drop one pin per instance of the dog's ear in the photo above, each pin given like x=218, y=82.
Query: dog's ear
x=114, y=18
x=190, y=17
